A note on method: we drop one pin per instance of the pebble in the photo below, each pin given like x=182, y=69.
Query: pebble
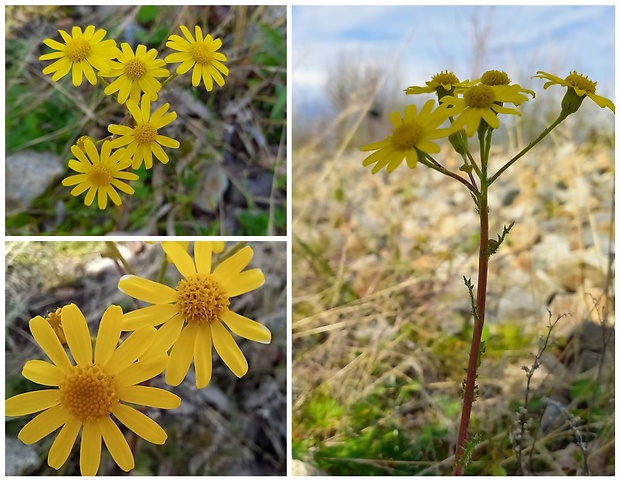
x=28, y=175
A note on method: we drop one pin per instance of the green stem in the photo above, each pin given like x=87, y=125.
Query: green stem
x=545, y=132
x=430, y=162
x=116, y=254
x=169, y=79
x=474, y=352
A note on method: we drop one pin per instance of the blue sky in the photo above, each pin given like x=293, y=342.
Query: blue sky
x=423, y=40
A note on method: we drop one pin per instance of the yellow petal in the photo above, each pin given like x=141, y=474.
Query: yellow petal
x=181, y=259
x=147, y=290
x=77, y=334
x=166, y=335
x=63, y=444
x=141, y=371
x=181, y=356
x=31, y=402
x=244, y=282
x=149, y=396
x=232, y=266
x=44, y=424
x=43, y=373
x=117, y=444
x=90, y=449
x=228, y=349
x=203, y=254
x=44, y=334
x=140, y=424
x=133, y=346
x=109, y=334
x=203, y=353
x=246, y=328
x=149, y=316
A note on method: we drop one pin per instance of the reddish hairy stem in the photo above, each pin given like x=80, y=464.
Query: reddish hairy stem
x=474, y=352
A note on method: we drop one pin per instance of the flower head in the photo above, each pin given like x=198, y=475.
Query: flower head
x=412, y=134
x=579, y=86
x=195, y=315
x=79, y=54
x=497, y=77
x=143, y=141
x=100, y=174
x=201, y=54
x=482, y=102
x=442, y=83
x=136, y=73
x=88, y=393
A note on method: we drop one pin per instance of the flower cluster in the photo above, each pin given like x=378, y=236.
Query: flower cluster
x=466, y=107
x=101, y=382
x=136, y=77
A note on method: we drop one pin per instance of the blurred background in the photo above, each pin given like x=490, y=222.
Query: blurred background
x=231, y=427
x=381, y=317
x=228, y=176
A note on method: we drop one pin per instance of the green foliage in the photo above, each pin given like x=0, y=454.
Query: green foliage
x=257, y=223
x=371, y=439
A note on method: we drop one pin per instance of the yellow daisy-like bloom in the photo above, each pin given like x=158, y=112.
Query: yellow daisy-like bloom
x=411, y=135
x=87, y=394
x=201, y=54
x=482, y=102
x=498, y=77
x=136, y=73
x=143, y=140
x=79, y=54
x=195, y=314
x=578, y=85
x=100, y=174
x=442, y=83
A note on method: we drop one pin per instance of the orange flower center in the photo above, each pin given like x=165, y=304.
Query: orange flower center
x=135, y=69
x=201, y=299
x=495, y=77
x=77, y=49
x=145, y=133
x=407, y=135
x=202, y=53
x=100, y=176
x=89, y=393
x=480, y=96
x=581, y=82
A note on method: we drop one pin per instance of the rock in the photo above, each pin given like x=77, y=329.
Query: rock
x=19, y=459
x=518, y=304
x=302, y=469
x=212, y=183
x=28, y=175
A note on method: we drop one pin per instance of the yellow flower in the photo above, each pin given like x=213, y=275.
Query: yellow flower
x=411, y=135
x=578, y=86
x=136, y=73
x=497, y=77
x=482, y=102
x=87, y=394
x=99, y=174
x=143, y=140
x=195, y=314
x=442, y=83
x=79, y=54
x=198, y=53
